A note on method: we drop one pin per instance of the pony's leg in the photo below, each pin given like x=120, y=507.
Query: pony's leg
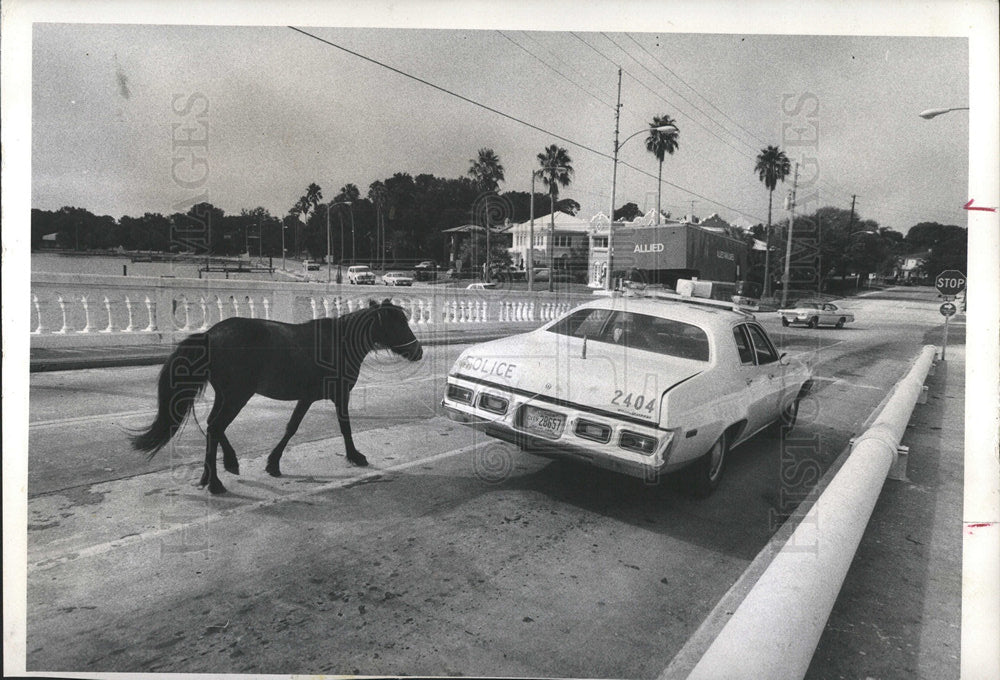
x=274, y=460
x=229, y=455
x=343, y=398
x=224, y=411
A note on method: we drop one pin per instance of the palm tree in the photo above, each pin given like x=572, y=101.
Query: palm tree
x=376, y=194
x=301, y=211
x=348, y=192
x=556, y=171
x=313, y=195
x=772, y=165
x=659, y=143
x=487, y=172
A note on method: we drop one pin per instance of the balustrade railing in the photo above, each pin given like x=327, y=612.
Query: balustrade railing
x=77, y=309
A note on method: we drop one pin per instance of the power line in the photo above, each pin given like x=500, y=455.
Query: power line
x=557, y=71
x=679, y=110
x=535, y=40
x=690, y=87
x=447, y=91
x=675, y=91
x=501, y=113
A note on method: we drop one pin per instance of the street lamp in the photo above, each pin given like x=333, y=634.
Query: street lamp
x=341, y=259
x=531, y=228
x=931, y=113
x=614, y=183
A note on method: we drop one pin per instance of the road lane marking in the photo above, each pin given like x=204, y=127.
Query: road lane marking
x=371, y=476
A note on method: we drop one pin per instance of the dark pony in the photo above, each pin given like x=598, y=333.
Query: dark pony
x=241, y=357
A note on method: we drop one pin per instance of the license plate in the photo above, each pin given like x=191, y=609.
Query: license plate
x=545, y=423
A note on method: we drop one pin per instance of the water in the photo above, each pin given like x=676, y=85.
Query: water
x=56, y=263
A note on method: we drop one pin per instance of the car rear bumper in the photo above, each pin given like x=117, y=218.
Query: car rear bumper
x=569, y=444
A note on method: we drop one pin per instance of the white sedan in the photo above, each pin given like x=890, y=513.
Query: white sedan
x=814, y=314
x=397, y=279
x=637, y=385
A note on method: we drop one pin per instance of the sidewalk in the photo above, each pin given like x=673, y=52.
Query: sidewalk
x=75, y=358
x=898, y=614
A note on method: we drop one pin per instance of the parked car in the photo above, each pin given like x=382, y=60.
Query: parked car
x=639, y=385
x=310, y=265
x=426, y=271
x=544, y=274
x=360, y=274
x=814, y=314
x=481, y=286
x=397, y=279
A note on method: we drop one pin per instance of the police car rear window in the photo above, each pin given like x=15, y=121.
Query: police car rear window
x=637, y=331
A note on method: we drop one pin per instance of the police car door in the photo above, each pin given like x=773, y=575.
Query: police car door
x=754, y=381
x=771, y=375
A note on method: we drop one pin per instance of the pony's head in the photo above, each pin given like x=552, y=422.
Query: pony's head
x=391, y=330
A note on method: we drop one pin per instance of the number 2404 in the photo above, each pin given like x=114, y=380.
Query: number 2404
x=638, y=402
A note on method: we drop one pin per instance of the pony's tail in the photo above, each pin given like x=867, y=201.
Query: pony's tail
x=182, y=379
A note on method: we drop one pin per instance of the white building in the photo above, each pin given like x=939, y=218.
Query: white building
x=570, y=233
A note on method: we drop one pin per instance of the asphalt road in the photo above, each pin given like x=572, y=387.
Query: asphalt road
x=453, y=554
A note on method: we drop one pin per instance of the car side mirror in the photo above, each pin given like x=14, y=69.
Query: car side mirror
x=783, y=359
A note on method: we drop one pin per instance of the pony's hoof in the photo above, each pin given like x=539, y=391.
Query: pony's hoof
x=232, y=468
x=358, y=460
x=216, y=488
x=273, y=470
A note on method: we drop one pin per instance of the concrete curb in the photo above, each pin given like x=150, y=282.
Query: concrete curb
x=775, y=630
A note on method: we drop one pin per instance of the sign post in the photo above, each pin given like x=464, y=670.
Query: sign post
x=949, y=283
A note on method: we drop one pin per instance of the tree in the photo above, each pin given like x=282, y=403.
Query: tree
x=313, y=195
x=948, y=245
x=556, y=171
x=377, y=195
x=568, y=205
x=772, y=165
x=659, y=143
x=487, y=172
x=348, y=192
x=627, y=213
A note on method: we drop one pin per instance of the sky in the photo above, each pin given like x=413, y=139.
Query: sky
x=280, y=109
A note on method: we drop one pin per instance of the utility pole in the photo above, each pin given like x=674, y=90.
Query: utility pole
x=785, y=278
x=850, y=223
x=614, y=181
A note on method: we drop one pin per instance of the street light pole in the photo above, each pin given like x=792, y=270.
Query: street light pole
x=328, y=254
x=531, y=236
x=341, y=217
x=614, y=183
x=786, y=277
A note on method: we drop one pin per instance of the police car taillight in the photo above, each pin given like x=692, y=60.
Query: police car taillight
x=593, y=431
x=633, y=441
x=493, y=404
x=456, y=393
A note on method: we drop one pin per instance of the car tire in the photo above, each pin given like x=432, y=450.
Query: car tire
x=814, y=322
x=840, y=323
x=786, y=420
x=784, y=321
x=703, y=476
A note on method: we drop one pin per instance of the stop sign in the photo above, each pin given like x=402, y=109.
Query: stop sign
x=950, y=282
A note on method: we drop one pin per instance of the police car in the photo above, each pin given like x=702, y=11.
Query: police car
x=639, y=385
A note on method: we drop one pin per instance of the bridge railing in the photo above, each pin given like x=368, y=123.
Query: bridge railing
x=69, y=310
